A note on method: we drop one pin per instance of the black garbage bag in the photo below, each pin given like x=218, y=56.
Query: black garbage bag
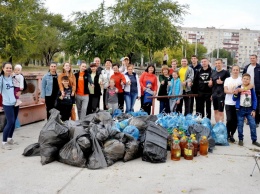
x=103, y=117
x=97, y=159
x=131, y=150
x=75, y=128
x=139, y=122
x=114, y=150
x=72, y=154
x=155, y=144
x=32, y=150
x=53, y=136
x=100, y=131
x=90, y=118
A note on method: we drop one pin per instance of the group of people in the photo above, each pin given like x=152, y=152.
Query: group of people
x=196, y=83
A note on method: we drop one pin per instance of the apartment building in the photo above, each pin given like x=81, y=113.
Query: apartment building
x=241, y=43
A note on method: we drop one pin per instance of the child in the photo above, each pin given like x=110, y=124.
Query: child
x=65, y=100
x=174, y=88
x=111, y=96
x=148, y=101
x=18, y=80
x=246, y=105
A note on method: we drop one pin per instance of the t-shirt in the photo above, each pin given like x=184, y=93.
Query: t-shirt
x=55, y=86
x=80, y=89
x=231, y=84
x=245, y=98
x=182, y=73
x=251, y=72
x=218, y=89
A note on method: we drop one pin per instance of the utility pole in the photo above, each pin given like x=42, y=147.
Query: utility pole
x=218, y=40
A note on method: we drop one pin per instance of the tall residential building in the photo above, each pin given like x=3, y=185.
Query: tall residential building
x=241, y=43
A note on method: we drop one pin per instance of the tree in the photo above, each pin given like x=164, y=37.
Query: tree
x=223, y=54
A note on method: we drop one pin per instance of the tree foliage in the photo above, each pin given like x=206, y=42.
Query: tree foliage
x=223, y=54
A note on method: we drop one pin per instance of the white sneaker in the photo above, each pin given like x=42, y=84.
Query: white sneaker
x=18, y=102
x=6, y=146
x=12, y=142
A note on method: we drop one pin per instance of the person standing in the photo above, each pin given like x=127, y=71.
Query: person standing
x=8, y=101
x=196, y=66
x=174, y=66
x=94, y=90
x=253, y=70
x=119, y=83
x=111, y=101
x=186, y=74
x=202, y=78
x=148, y=75
x=104, y=77
x=125, y=64
x=50, y=88
x=165, y=58
x=217, y=80
x=132, y=88
x=230, y=85
x=82, y=91
x=164, y=79
x=97, y=61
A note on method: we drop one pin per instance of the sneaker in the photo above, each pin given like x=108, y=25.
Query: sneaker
x=240, y=142
x=18, y=102
x=12, y=142
x=256, y=143
x=6, y=146
x=231, y=139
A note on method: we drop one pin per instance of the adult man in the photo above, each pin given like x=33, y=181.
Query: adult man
x=202, y=78
x=194, y=88
x=99, y=68
x=186, y=76
x=174, y=66
x=253, y=70
x=125, y=64
x=218, y=95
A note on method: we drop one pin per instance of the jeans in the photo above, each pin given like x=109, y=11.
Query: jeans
x=104, y=99
x=241, y=114
x=201, y=100
x=121, y=101
x=93, y=103
x=11, y=113
x=186, y=104
x=130, y=99
x=50, y=102
x=192, y=99
x=231, y=119
x=65, y=111
x=82, y=105
x=165, y=106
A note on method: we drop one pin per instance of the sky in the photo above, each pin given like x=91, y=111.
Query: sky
x=224, y=14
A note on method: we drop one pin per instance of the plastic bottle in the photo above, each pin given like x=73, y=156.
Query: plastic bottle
x=204, y=146
x=183, y=144
x=176, y=151
x=189, y=151
x=195, y=145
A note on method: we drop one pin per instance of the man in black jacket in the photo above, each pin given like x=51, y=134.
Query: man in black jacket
x=253, y=69
x=202, y=79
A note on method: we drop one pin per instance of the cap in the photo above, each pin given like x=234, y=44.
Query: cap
x=126, y=58
x=92, y=64
x=148, y=82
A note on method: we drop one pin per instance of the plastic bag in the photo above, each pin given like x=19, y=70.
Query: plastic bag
x=131, y=150
x=123, y=124
x=132, y=130
x=206, y=122
x=113, y=151
x=138, y=113
x=53, y=136
x=116, y=113
x=138, y=122
x=219, y=133
x=32, y=150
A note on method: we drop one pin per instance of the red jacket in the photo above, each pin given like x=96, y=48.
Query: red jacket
x=118, y=77
x=148, y=77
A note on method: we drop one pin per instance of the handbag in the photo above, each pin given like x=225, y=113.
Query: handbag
x=73, y=114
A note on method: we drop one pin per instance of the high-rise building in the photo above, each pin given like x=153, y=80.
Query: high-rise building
x=241, y=43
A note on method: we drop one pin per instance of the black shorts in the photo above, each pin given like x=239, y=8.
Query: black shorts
x=218, y=103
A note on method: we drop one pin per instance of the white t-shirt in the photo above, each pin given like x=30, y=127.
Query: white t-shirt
x=251, y=72
x=246, y=98
x=231, y=84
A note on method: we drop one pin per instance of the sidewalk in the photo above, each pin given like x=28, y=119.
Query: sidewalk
x=226, y=170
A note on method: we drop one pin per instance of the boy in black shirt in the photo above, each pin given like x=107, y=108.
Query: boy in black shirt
x=66, y=101
x=218, y=95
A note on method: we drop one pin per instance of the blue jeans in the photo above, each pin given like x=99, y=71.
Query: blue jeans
x=165, y=106
x=130, y=99
x=241, y=114
x=11, y=113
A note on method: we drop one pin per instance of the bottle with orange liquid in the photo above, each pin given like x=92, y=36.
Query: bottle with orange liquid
x=183, y=144
x=195, y=145
x=204, y=146
x=176, y=151
x=189, y=151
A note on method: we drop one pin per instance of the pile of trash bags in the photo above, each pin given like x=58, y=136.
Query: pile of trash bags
x=98, y=141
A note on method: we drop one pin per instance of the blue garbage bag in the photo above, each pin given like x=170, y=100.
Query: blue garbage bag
x=122, y=124
x=116, y=113
x=219, y=134
x=206, y=122
x=132, y=130
x=138, y=113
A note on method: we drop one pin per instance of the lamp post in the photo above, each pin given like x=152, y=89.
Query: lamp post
x=218, y=40
x=196, y=44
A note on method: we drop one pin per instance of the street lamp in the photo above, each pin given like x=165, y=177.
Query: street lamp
x=196, y=44
x=218, y=40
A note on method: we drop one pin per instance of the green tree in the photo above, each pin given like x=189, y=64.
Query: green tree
x=223, y=54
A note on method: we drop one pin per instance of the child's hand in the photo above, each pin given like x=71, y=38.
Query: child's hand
x=63, y=93
x=236, y=91
x=253, y=113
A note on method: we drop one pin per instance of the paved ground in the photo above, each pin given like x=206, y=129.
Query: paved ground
x=226, y=170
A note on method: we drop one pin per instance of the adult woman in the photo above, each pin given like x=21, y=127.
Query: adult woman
x=230, y=84
x=104, y=77
x=10, y=110
x=119, y=83
x=164, y=78
x=50, y=88
x=132, y=88
x=94, y=89
x=148, y=75
x=82, y=91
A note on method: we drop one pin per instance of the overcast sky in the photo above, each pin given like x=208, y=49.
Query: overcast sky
x=229, y=14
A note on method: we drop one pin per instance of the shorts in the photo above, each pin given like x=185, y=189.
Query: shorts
x=218, y=104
